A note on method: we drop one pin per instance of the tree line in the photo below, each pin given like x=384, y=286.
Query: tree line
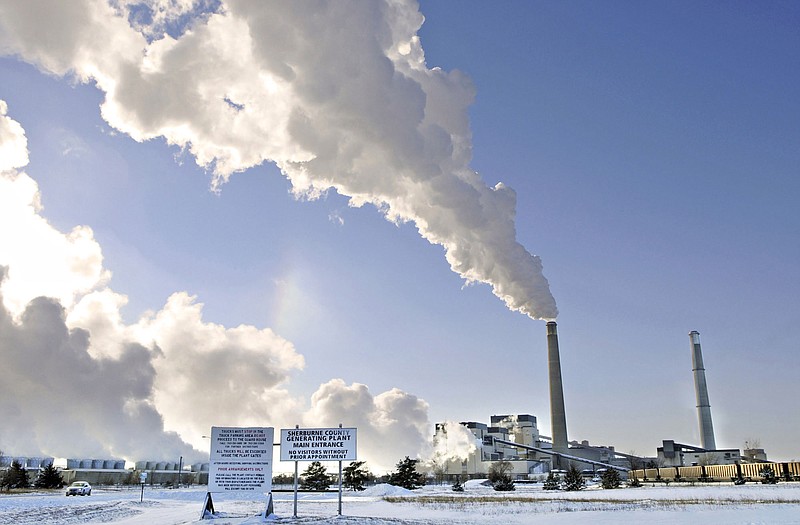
x=16, y=477
x=355, y=476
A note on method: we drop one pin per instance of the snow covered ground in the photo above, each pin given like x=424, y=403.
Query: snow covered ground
x=529, y=504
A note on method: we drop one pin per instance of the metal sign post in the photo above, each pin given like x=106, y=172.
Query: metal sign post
x=340, y=488
x=296, y=463
x=142, y=480
x=318, y=444
x=340, y=483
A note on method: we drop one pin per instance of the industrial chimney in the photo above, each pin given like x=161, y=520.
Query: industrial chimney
x=701, y=389
x=558, y=416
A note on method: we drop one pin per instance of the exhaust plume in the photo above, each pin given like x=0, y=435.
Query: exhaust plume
x=79, y=381
x=336, y=94
x=456, y=443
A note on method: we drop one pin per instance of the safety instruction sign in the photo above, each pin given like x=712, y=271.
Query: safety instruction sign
x=241, y=459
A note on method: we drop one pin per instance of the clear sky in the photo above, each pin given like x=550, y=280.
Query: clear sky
x=653, y=150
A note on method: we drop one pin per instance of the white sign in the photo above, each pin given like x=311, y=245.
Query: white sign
x=241, y=459
x=318, y=444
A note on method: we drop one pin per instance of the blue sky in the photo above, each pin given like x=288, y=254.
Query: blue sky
x=654, y=152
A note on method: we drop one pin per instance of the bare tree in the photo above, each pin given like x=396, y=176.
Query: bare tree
x=752, y=443
x=708, y=458
x=634, y=461
x=438, y=466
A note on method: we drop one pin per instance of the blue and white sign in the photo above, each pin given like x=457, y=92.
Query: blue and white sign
x=318, y=444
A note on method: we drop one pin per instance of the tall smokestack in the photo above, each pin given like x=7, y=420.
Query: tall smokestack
x=558, y=416
x=701, y=389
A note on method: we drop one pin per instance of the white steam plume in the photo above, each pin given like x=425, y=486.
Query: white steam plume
x=78, y=381
x=337, y=94
x=56, y=398
x=454, y=442
x=391, y=425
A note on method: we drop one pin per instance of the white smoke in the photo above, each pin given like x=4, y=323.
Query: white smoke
x=78, y=381
x=392, y=421
x=55, y=398
x=337, y=94
x=454, y=442
x=510, y=423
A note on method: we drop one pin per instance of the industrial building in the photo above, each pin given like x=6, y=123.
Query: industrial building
x=495, y=442
x=521, y=428
x=672, y=454
x=512, y=438
x=113, y=471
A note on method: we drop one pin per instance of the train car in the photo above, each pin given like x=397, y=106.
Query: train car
x=789, y=471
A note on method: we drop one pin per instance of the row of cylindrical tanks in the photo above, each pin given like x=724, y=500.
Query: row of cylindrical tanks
x=752, y=471
x=27, y=462
x=99, y=464
x=107, y=464
x=166, y=465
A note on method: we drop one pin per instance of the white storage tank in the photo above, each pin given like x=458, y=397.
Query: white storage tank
x=86, y=463
x=119, y=464
x=73, y=463
x=97, y=463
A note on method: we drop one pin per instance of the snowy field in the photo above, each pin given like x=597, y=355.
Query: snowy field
x=707, y=504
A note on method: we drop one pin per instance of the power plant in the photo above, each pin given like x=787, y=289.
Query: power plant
x=516, y=439
x=469, y=448
x=701, y=390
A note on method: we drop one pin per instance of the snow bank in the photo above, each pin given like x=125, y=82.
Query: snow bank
x=384, y=489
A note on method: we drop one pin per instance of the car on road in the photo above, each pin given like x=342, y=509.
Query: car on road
x=79, y=488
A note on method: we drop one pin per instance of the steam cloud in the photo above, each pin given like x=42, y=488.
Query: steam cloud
x=455, y=443
x=338, y=98
x=78, y=381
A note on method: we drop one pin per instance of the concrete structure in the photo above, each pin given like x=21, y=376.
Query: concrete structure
x=112, y=471
x=517, y=428
x=707, y=440
x=672, y=454
x=558, y=415
x=527, y=464
x=754, y=455
x=26, y=461
x=600, y=453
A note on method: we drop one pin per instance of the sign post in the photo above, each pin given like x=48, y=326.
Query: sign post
x=240, y=461
x=142, y=481
x=318, y=444
x=340, y=488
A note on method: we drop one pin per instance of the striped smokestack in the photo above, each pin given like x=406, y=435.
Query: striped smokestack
x=558, y=416
x=701, y=389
